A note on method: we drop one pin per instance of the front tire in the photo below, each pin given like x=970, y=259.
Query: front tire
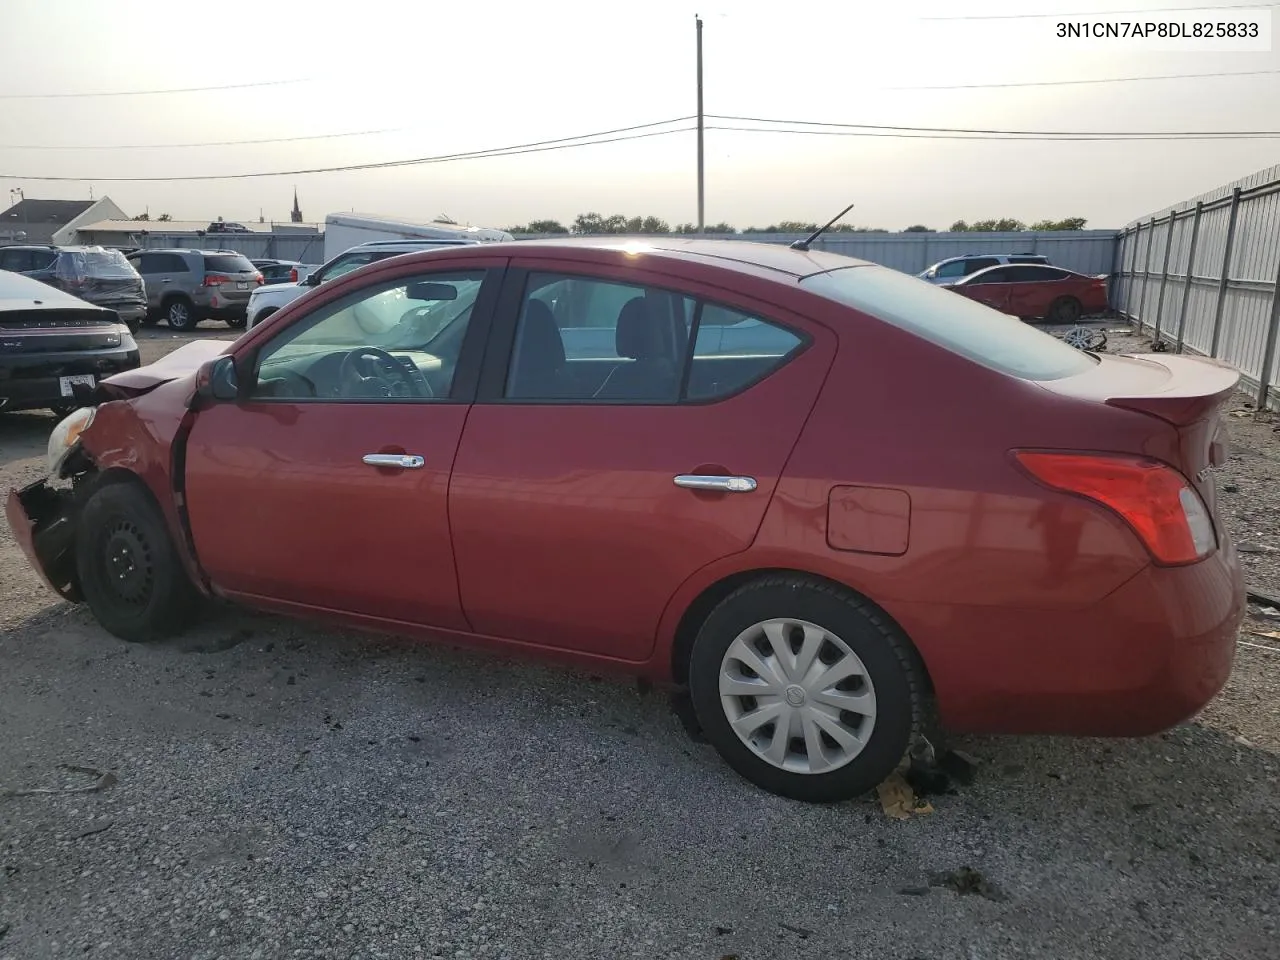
x=180, y=314
x=805, y=689
x=237, y=323
x=129, y=570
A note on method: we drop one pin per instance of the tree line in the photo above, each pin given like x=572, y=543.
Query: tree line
x=595, y=223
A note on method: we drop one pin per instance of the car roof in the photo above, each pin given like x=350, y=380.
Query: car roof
x=1006, y=266
x=742, y=255
x=20, y=292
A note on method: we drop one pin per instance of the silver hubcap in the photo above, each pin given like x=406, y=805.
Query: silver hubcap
x=797, y=696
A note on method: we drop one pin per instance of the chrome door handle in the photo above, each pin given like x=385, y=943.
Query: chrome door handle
x=722, y=484
x=409, y=461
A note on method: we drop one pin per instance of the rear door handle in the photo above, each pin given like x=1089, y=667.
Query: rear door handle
x=695, y=481
x=405, y=461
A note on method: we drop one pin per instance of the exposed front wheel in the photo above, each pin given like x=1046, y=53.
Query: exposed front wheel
x=129, y=570
x=804, y=689
x=180, y=315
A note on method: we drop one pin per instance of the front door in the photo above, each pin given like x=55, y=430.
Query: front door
x=570, y=528
x=326, y=486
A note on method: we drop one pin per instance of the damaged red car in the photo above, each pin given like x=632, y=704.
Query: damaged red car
x=831, y=499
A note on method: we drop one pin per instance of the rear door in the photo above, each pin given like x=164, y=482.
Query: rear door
x=570, y=527
x=991, y=288
x=1032, y=289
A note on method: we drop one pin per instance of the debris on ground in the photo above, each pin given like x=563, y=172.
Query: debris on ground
x=898, y=800
x=966, y=881
x=103, y=781
x=801, y=932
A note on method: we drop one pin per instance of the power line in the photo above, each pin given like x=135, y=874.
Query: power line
x=540, y=146
x=1100, y=13
x=1116, y=134
x=1064, y=83
x=1015, y=139
x=207, y=143
x=145, y=93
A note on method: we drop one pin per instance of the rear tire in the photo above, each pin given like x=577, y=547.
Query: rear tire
x=180, y=314
x=846, y=681
x=1064, y=310
x=237, y=323
x=129, y=570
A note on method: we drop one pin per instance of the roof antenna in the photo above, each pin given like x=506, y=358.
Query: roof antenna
x=804, y=244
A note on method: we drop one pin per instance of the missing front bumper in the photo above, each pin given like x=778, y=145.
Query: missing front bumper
x=43, y=523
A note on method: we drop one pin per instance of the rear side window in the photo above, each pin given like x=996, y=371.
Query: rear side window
x=956, y=323
x=732, y=350
x=1029, y=258
x=227, y=263
x=979, y=263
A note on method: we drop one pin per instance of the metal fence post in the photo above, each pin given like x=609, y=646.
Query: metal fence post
x=924, y=252
x=1146, y=271
x=1191, y=266
x=1268, y=352
x=1226, y=273
x=1164, y=271
x=1132, y=275
x=1115, y=277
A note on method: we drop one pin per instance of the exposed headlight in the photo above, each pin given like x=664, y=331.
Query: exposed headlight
x=66, y=437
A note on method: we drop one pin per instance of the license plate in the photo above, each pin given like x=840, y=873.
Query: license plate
x=242, y=284
x=66, y=383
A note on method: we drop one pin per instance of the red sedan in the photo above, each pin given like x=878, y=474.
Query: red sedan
x=1036, y=292
x=824, y=494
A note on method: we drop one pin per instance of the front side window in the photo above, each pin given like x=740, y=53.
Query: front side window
x=397, y=341
x=585, y=339
x=990, y=276
x=953, y=269
x=956, y=323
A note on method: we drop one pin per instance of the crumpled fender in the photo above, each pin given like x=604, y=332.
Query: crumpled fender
x=146, y=436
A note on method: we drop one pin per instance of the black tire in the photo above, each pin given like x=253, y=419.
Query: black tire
x=237, y=323
x=180, y=313
x=1064, y=310
x=890, y=662
x=61, y=410
x=129, y=570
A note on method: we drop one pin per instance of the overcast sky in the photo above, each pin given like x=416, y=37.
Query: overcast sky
x=450, y=77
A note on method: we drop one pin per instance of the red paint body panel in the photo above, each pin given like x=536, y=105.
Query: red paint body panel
x=281, y=506
x=557, y=528
x=869, y=520
x=567, y=526
x=1033, y=299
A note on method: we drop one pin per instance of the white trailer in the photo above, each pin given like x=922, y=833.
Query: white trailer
x=342, y=231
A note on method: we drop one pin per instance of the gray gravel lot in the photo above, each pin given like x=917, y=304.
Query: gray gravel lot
x=285, y=791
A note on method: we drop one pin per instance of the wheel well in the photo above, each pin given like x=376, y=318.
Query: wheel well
x=264, y=313
x=170, y=297
x=702, y=605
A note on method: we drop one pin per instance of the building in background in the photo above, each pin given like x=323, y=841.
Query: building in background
x=52, y=221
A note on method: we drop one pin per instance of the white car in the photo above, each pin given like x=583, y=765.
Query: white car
x=953, y=268
x=266, y=300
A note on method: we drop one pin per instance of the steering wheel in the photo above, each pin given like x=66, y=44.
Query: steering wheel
x=365, y=369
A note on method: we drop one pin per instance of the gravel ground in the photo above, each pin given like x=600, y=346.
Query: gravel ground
x=275, y=790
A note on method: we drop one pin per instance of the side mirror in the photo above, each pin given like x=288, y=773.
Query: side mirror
x=217, y=381
x=310, y=280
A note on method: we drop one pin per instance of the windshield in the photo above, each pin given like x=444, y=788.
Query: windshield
x=951, y=320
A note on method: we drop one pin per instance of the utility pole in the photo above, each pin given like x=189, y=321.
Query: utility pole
x=701, y=189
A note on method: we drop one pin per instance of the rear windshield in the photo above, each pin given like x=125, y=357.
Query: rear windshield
x=228, y=263
x=103, y=264
x=951, y=320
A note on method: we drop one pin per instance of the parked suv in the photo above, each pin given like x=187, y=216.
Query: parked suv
x=266, y=301
x=98, y=275
x=953, y=268
x=187, y=286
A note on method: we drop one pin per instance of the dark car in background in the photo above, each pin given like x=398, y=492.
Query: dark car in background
x=1035, y=292
x=52, y=343
x=98, y=275
x=187, y=286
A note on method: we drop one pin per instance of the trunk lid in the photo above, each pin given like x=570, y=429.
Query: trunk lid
x=59, y=330
x=1188, y=393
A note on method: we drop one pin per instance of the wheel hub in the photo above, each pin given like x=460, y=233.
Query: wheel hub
x=797, y=696
x=128, y=564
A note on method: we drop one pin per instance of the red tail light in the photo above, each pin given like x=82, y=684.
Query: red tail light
x=259, y=279
x=213, y=279
x=1152, y=497
x=293, y=274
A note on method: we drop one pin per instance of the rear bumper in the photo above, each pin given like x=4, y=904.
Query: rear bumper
x=32, y=381
x=1149, y=656
x=42, y=521
x=225, y=311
